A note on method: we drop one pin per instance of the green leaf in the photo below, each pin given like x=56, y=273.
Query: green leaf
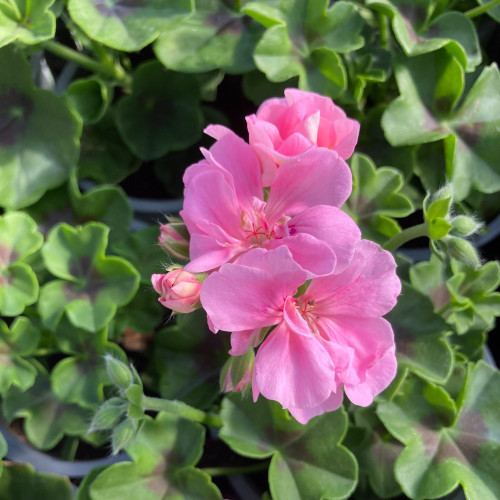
x=163, y=454
x=48, y=418
x=17, y=343
x=431, y=85
x=308, y=461
x=127, y=25
x=493, y=12
x=162, y=114
x=104, y=157
x=440, y=454
x=473, y=298
x=22, y=482
x=213, y=37
x=27, y=22
x=419, y=335
x=304, y=40
x=375, y=196
x=451, y=30
x=89, y=97
x=39, y=135
x=94, y=286
x=19, y=239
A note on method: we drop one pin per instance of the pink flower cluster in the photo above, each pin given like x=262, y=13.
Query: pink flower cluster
x=288, y=272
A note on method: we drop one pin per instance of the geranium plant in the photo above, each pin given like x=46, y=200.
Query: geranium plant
x=305, y=306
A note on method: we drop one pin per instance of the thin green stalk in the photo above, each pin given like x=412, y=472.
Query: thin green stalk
x=182, y=410
x=84, y=61
x=406, y=235
x=227, y=471
x=383, y=26
x=69, y=448
x=477, y=11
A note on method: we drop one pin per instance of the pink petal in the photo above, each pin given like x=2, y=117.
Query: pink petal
x=331, y=225
x=303, y=415
x=313, y=255
x=293, y=318
x=293, y=145
x=368, y=287
x=373, y=365
x=309, y=127
x=316, y=177
x=217, y=131
x=345, y=134
x=262, y=132
x=242, y=341
x=239, y=297
x=293, y=369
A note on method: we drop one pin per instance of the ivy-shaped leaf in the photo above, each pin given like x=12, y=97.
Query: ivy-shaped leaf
x=38, y=137
x=419, y=333
x=303, y=39
x=91, y=285
x=104, y=157
x=162, y=114
x=89, y=97
x=19, y=239
x=441, y=452
x=48, y=418
x=127, y=24
x=17, y=343
x=164, y=454
x=213, y=37
x=187, y=360
x=375, y=198
x=80, y=378
x=431, y=85
x=418, y=34
x=376, y=453
x=307, y=460
x=22, y=482
x=28, y=22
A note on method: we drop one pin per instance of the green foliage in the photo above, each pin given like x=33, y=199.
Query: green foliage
x=89, y=97
x=375, y=198
x=446, y=442
x=307, y=461
x=91, y=285
x=27, y=22
x=39, y=141
x=164, y=454
x=129, y=26
x=3, y=452
x=22, y=482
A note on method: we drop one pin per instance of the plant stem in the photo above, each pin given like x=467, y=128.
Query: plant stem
x=182, y=410
x=477, y=11
x=69, y=448
x=114, y=72
x=244, y=469
x=406, y=235
x=383, y=26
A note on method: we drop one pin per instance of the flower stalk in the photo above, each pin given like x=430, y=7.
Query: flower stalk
x=406, y=235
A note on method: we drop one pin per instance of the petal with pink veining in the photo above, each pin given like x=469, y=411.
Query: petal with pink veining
x=331, y=225
x=293, y=369
x=242, y=341
x=368, y=287
x=316, y=177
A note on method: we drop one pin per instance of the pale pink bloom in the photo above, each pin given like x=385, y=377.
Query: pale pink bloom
x=330, y=337
x=283, y=128
x=174, y=238
x=179, y=290
x=228, y=212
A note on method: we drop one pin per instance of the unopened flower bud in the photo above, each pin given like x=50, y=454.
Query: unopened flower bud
x=123, y=434
x=463, y=251
x=108, y=414
x=179, y=290
x=118, y=372
x=463, y=226
x=237, y=373
x=174, y=238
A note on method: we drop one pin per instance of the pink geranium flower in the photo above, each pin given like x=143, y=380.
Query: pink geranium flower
x=283, y=128
x=330, y=337
x=228, y=212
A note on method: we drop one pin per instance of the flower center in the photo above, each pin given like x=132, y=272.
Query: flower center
x=307, y=311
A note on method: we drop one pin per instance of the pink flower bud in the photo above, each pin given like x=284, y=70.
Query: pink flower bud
x=179, y=290
x=174, y=238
